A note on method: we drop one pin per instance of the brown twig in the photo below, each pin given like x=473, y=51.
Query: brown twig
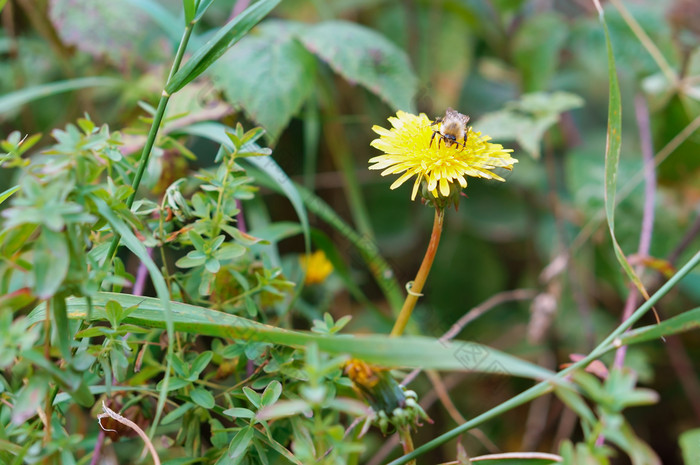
x=126, y=422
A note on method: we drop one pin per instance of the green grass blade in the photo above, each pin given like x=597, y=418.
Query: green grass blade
x=8, y=193
x=228, y=35
x=612, y=157
x=686, y=321
x=202, y=8
x=410, y=351
x=18, y=98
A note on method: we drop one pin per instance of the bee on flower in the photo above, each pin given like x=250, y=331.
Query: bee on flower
x=440, y=154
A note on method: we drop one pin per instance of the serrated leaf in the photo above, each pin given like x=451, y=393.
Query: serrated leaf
x=366, y=57
x=104, y=29
x=269, y=55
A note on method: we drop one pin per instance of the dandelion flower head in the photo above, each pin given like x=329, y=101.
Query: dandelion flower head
x=408, y=151
x=317, y=267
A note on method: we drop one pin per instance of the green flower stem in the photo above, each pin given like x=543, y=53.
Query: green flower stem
x=407, y=441
x=545, y=386
x=153, y=132
x=417, y=285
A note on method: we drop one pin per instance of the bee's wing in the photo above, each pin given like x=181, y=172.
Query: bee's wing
x=456, y=116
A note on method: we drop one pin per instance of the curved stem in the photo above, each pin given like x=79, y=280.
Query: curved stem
x=417, y=285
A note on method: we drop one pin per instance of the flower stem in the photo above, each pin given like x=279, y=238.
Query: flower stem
x=407, y=442
x=419, y=282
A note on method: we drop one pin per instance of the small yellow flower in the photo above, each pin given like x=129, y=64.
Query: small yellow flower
x=316, y=266
x=407, y=150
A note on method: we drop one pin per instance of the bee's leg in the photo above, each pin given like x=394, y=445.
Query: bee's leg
x=431, y=139
x=464, y=144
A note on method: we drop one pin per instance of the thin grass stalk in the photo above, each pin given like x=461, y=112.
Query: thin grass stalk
x=153, y=132
x=545, y=386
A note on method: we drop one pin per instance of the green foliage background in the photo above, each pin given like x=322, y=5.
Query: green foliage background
x=223, y=355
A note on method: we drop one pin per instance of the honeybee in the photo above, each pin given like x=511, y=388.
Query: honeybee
x=453, y=128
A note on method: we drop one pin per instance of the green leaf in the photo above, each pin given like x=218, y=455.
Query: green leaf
x=29, y=399
x=612, y=158
x=190, y=9
x=21, y=97
x=526, y=120
x=285, y=408
x=177, y=413
x=271, y=393
x=252, y=396
x=50, y=263
x=116, y=31
x=200, y=363
x=690, y=446
x=686, y=321
x=202, y=8
x=237, y=448
x=273, y=174
x=272, y=55
x=72, y=382
x=203, y=398
x=225, y=37
x=408, y=351
x=366, y=57
x=230, y=251
x=60, y=320
x=238, y=412
x=8, y=193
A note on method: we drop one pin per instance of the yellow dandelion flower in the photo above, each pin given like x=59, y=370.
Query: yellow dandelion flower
x=316, y=266
x=408, y=151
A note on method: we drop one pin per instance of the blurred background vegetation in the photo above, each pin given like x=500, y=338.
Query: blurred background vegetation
x=533, y=74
